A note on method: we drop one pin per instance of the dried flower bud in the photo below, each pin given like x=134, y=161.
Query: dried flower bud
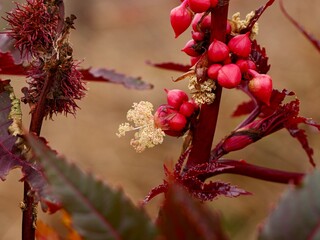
x=213, y=71
x=240, y=45
x=261, y=86
x=218, y=51
x=176, y=97
x=199, y=6
x=189, y=49
x=229, y=76
x=201, y=23
x=180, y=18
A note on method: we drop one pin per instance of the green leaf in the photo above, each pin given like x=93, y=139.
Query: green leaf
x=183, y=217
x=297, y=215
x=98, y=212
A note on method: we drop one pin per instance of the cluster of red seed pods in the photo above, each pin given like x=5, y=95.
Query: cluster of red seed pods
x=229, y=63
x=173, y=117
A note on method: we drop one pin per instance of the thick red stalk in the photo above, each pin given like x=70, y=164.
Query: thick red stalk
x=204, y=129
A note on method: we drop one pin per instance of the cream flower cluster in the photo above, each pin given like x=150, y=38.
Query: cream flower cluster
x=146, y=135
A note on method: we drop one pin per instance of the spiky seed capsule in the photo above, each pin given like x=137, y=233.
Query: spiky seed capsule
x=218, y=51
x=240, y=45
x=229, y=76
x=180, y=18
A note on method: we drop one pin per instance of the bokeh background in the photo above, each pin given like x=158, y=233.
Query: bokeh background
x=122, y=35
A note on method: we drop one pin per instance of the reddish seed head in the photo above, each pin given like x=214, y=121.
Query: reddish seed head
x=176, y=97
x=218, y=51
x=213, y=70
x=201, y=26
x=240, y=45
x=229, y=76
x=199, y=6
x=180, y=18
x=189, y=49
x=261, y=86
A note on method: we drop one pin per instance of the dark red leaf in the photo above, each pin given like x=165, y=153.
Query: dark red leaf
x=105, y=75
x=171, y=66
x=9, y=67
x=11, y=157
x=182, y=217
x=162, y=188
x=244, y=108
x=259, y=57
x=314, y=41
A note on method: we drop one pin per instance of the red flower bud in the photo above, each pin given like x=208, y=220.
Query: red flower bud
x=229, y=28
x=176, y=97
x=180, y=18
x=197, y=36
x=201, y=26
x=218, y=51
x=189, y=49
x=199, y=6
x=187, y=108
x=169, y=120
x=237, y=142
x=261, y=86
x=213, y=70
x=240, y=45
x=194, y=60
x=229, y=76
x=214, y=3
x=245, y=65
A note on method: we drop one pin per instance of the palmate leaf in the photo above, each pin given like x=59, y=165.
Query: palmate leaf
x=297, y=215
x=10, y=153
x=182, y=217
x=98, y=212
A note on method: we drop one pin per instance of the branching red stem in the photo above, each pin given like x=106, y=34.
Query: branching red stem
x=262, y=173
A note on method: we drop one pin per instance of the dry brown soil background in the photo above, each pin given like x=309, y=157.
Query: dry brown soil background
x=122, y=35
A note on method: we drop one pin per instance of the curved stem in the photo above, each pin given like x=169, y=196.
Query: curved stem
x=262, y=173
x=203, y=130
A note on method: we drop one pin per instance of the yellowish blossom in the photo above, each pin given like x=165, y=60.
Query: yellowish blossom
x=147, y=135
x=238, y=24
x=202, y=93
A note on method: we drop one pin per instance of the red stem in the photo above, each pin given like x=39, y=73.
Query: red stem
x=204, y=129
x=29, y=213
x=262, y=173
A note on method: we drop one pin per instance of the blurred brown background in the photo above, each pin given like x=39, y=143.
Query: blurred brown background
x=122, y=35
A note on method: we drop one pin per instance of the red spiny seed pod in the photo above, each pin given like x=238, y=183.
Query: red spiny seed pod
x=201, y=23
x=213, y=70
x=180, y=18
x=189, y=49
x=187, y=108
x=229, y=76
x=218, y=51
x=240, y=45
x=33, y=26
x=176, y=97
x=260, y=86
x=245, y=65
x=199, y=6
